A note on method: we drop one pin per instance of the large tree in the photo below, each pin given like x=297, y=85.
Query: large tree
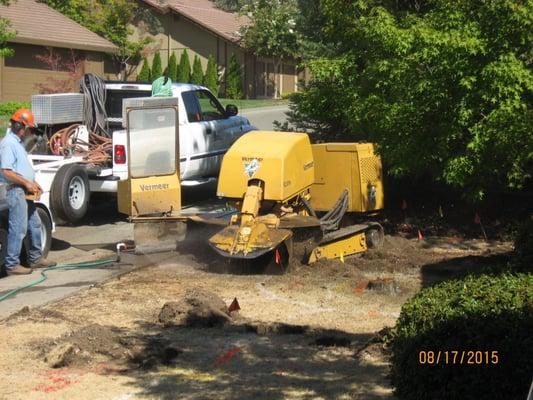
x=271, y=32
x=444, y=87
x=111, y=19
x=7, y=33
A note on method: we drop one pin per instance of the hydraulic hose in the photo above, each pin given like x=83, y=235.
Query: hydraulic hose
x=44, y=277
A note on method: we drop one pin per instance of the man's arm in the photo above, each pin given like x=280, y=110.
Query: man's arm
x=12, y=176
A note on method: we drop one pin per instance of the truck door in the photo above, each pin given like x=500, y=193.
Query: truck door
x=153, y=186
x=210, y=130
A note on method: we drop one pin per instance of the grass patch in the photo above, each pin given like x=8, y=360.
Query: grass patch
x=254, y=103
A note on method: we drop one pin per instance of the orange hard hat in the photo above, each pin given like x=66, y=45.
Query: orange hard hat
x=24, y=116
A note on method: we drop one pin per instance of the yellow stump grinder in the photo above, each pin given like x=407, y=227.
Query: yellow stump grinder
x=280, y=184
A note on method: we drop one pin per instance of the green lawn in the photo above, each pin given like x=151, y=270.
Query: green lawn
x=245, y=103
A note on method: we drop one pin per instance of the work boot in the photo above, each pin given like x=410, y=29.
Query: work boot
x=19, y=270
x=43, y=263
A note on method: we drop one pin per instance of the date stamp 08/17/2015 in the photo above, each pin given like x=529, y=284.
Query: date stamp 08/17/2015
x=458, y=357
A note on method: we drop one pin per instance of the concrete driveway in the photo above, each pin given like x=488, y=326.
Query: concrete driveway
x=264, y=117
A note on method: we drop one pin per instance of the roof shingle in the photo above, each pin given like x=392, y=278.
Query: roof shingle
x=206, y=14
x=38, y=24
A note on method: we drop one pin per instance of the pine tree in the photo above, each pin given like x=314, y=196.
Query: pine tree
x=145, y=73
x=197, y=73
x=234, y=79
x=184, y=71
x=211, y=75
x=173, y=67
x=157, y=70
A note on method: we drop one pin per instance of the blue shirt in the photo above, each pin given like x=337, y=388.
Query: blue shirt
x=13, y=156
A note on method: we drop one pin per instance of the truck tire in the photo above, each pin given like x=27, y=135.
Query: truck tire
x=46, y=237
x=3, y=250
x=69, y=194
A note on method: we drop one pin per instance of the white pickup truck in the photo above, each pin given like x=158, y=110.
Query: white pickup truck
x=206, y=131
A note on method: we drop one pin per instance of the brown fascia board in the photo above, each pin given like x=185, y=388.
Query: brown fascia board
x=53, y=43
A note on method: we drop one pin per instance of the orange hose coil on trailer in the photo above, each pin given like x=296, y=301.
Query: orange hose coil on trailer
x=63, y=143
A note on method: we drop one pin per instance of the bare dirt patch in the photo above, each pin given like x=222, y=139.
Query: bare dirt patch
x=313, y=333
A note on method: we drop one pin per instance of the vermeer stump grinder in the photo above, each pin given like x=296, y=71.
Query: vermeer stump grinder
x=283, y=188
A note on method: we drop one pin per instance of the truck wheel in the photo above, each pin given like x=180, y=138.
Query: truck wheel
x=69, y=194
x=3, y=250
x=46, y=237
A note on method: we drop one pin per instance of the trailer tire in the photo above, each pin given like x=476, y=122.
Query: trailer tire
x=46, y=237
x=3, y=250
x=69, y=194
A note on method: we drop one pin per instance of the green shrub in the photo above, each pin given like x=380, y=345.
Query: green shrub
x=524, y=246
x=184, y=69
x=211, y=75
x=197, y=73
x=145, y=73
x=478, y=313
x=10, y=107
x=234, y=79
x=157, y=69
x=173, y=67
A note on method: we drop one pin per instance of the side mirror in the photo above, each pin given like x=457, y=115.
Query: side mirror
x=231, y=110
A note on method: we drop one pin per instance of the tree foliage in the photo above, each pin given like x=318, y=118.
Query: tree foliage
x=232, y=5
x=444, y=87
x=74, y=66
x=184, y=69
x=197, y=72
x=145, y=74
x=157, y=69
x=7, y=33
x=271, y=32
x=173, y=67
x=111, y=19
x=211, y=75
x=234, y=79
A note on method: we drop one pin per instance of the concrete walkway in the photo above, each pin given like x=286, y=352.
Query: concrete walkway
x=75, y=244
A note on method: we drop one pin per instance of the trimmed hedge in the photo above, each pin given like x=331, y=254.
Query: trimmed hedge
x=10, y=107
x=477, y=313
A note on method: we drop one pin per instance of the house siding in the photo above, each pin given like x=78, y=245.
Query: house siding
x=23, y=72
x=179, y=33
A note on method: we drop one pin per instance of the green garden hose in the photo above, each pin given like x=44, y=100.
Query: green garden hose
x=84, y=265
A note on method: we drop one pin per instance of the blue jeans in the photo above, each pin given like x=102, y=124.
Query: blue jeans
x=23, y=218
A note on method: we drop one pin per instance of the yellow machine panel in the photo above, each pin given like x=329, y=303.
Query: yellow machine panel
x=282, y=160
x=156, y=194
x=352, y=166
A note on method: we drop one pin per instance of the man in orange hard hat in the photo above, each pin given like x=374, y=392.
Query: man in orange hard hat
x=16, y=172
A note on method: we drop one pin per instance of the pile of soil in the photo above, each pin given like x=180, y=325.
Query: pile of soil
x=95, y=341
x=198, y=308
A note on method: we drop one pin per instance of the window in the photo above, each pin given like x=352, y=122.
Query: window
x=190, y=101
x=201, y=105
x=152, y=140
x=115, y=97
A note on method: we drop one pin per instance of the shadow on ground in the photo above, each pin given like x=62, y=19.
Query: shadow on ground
x=458, y=267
